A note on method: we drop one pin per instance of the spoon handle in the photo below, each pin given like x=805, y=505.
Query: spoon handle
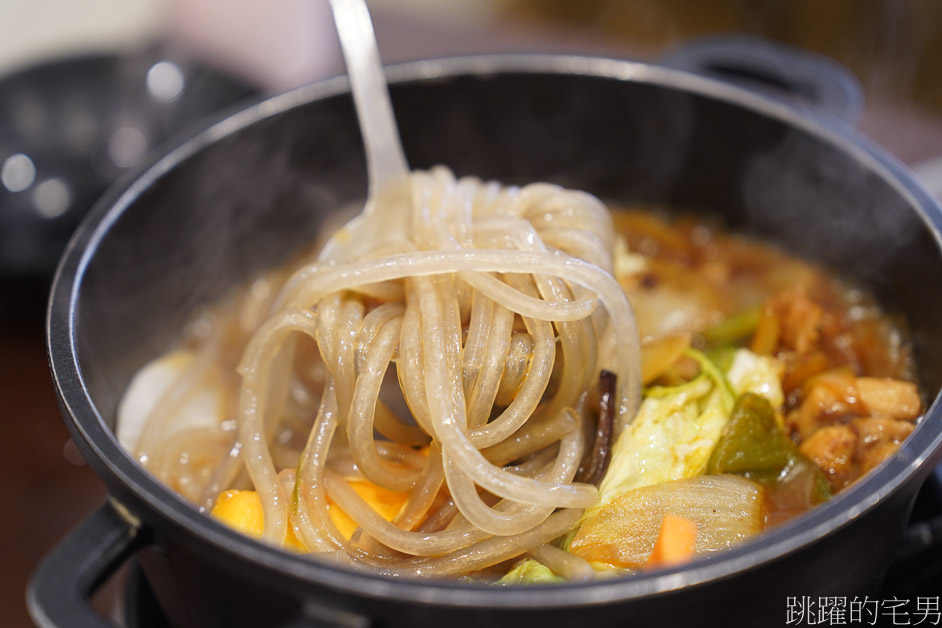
x=384, y=157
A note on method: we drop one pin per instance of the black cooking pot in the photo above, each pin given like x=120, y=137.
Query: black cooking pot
x=254, y=188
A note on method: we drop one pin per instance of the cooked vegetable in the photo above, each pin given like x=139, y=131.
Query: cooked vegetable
x=678, y=427
x=242, y=510
x=672, y=435
x=761, y=375
x=732, y=329
x=676, y=542
x=659, y=355
x=753, y=445
x=486, y=454
x=529, y=571
x=722, y=356
x=669, y=305
x=727, y=509
x=384, y=501
x=768, y=330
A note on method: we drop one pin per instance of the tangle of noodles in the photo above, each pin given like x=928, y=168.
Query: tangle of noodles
x=496, y=313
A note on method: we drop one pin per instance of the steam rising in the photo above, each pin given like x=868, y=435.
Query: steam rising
x=825, y=206
x=255, y=198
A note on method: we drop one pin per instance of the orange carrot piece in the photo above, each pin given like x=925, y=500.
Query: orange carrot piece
x=766, y=337
x=676, y=542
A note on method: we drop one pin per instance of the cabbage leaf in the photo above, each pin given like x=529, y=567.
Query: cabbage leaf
x=530, y=571
x=677, y=427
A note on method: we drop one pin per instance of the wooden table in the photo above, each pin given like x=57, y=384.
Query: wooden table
x=42, y=494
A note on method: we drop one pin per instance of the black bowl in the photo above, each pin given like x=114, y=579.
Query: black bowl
x=69, y=127
x=255, y=187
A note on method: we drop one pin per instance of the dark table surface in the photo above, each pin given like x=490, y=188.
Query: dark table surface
x=45, y=489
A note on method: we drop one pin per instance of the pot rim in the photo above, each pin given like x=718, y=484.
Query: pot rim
x=915, y=457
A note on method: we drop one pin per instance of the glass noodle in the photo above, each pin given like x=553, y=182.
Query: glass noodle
x=496, y=312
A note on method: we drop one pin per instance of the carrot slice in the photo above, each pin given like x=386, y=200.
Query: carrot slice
x=768, y=330
x=675, y=544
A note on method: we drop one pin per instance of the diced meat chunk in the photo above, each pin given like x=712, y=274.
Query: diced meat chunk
x=832, y=396
x=878, y=439
x=833, y=449
x=890, y=397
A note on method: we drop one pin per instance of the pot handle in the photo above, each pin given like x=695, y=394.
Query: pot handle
x=799, y=77
x=59, y=589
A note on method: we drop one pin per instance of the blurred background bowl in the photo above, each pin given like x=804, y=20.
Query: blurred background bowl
x=70, y=127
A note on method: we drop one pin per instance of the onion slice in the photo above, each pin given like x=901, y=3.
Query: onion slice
x=727, y=509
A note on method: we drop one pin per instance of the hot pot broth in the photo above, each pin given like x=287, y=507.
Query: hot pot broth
x=769, y=385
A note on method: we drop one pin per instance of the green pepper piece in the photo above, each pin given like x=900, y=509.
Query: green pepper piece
x=754, y=446
x=733, y=329
x=751, y=441
x=722, y=356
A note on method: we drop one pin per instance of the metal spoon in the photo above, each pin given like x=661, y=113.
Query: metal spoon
x=386, y=164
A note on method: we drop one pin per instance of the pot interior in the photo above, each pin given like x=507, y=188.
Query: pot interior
x=257, y=195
